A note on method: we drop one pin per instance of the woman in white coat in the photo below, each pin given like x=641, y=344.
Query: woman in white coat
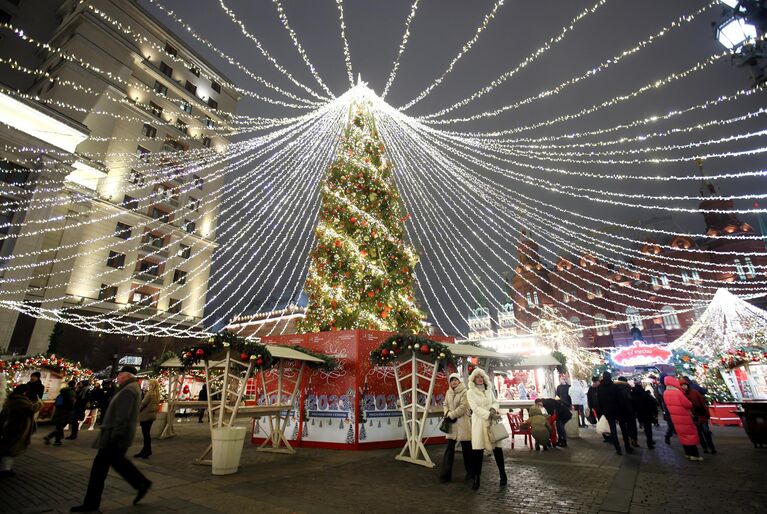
x=456, y=409
x=578, y=396
x=484, y=410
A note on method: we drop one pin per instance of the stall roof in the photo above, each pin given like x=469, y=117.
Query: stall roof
x=537, y=361
x=467, y=350
x=284, y=352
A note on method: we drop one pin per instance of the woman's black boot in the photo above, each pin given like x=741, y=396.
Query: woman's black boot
x=498, y=454
x=475, y=484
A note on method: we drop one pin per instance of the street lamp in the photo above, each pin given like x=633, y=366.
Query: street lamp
x=742, y=29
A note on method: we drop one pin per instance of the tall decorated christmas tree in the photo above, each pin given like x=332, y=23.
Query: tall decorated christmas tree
x=361, y=272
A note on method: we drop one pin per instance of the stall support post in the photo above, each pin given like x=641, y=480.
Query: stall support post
x=414, y=416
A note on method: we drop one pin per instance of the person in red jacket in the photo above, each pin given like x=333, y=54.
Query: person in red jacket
x=700, y=414
x=679, y=409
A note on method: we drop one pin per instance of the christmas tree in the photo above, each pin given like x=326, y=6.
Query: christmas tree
x=361, y=273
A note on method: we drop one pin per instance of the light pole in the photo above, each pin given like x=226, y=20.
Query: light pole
x=742, y=29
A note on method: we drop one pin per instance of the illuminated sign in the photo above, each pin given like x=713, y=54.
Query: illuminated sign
x=641, y=355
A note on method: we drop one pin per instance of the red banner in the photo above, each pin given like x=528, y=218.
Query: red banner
x=641, y=355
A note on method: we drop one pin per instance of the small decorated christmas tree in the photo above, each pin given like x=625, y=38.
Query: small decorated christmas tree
x=361, y=272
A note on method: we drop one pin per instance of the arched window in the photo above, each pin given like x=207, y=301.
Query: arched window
x=576, y=322
x=603, y=330
x=633, y=317
x=534, y=326
x=670, y=319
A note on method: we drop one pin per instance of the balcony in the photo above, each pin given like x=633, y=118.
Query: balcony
x=148, y=278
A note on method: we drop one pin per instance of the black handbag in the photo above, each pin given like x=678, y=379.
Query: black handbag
x=446, y=424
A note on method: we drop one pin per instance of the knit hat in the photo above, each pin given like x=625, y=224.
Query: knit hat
x=454, y=375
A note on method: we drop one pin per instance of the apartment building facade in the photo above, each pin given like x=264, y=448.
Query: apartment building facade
x=137, y=239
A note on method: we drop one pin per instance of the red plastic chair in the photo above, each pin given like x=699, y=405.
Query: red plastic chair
x=515, y=422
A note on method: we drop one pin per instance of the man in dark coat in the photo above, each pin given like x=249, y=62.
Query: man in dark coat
x=563, y=412
x=592, y=402
x=62, y=413
x=563, y=392
x=612, y=404
x=117, y=431
x=646, y=410
x=628, y=411
x=82, y=403
x=35, y=388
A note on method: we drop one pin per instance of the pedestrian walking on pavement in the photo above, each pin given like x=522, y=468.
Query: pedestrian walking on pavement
x=615, y=407
x=146, y=416
x=82, y=404
x=202, y=397
x=629, y=415
x=118, y=428
x=700, y=415
x=484, y=411
x=578, y=396
x=63, y=407
x=679, y=408
x=646, y=410
x=16, y=426
x=456, y=409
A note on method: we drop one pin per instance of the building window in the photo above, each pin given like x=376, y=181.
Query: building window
x=163, y=192
x=184, y=251
x=142, y=299
x=633, y=317
x=107, y=293
x=212, y=103
x=149, y=267
x=215, y=86
x=195, y=71
x=698, y=309
x=685, y=277
x=174, y=307
x=149, y=131
x=750, y=270
x=159, y=214
x=575, y=321
x=170, y=50
x=141, y=152
x=136, y=178
x=664, y=280
x=740, y=270
x=194, y=204
x=597, y=291
x=160, y=88
x=535, y=298
x=670, y=318
x=199, y=183
x=600, y=322
x=155, y=241
x=206, y=142
x=155, y=109
x=189, y=226
x=122, y=231
x=190, y=87
x=165, y=69
x=209, y=122
x=116, y=260
x=567, y=296
x=13, y=173
x=695, y=275
x=179, y=277
x=186, y=107
x=654, y=281
x=181, y=125
x=130, y=203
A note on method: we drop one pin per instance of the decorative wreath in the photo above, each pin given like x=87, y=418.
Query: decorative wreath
x=400, y=346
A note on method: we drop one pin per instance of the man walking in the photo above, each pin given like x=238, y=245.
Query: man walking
x=118, y=427
x=614, y=406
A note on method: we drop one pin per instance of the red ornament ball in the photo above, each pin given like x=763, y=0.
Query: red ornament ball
x=259, y=362
x=424, y=348
x=385, y=352
x=200, y=352
x=244, y=356
x=189, y=355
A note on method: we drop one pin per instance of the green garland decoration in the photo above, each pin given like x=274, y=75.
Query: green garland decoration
x=400, y=346
x=191, y=355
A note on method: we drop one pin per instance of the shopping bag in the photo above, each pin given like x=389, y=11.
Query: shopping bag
x=603, y=427
x=497, y=432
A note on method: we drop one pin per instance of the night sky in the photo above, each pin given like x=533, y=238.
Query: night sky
x=441, y=27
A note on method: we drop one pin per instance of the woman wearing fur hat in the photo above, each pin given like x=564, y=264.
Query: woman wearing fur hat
x=456, y=409
x=484, y=410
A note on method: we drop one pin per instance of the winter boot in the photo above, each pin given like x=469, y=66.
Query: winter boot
x=498, y=454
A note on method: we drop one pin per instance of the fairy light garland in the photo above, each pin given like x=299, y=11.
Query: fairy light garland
x=464, y=50
x=345, y=41
x=284, y=19
x=402, y=46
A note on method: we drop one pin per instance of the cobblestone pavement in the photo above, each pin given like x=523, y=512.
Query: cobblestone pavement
x=587, y=477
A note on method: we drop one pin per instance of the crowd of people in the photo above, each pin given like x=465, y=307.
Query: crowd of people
x=610, y=405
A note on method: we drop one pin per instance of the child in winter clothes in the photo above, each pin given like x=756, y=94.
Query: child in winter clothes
x=540, y=426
